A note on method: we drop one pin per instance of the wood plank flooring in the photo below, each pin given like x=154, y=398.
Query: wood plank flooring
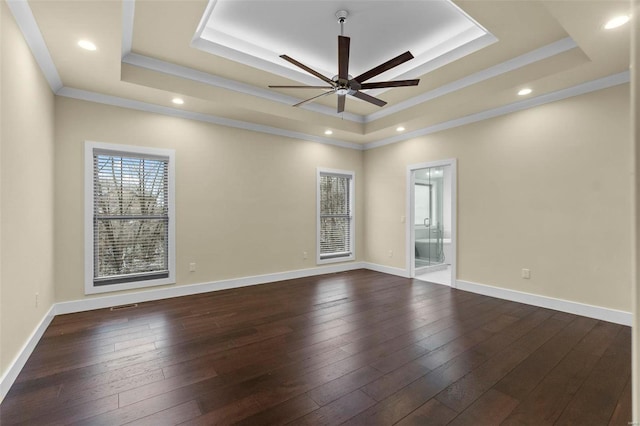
x=356, y=348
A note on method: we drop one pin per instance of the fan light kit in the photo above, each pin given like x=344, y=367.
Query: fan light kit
x=343, y=83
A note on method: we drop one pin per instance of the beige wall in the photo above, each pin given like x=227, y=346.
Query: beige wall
x=245, y=201
x=635, y=110
x=26, y=179
x=545, y=189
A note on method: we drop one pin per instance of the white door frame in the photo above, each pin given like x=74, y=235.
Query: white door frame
x=410, y=237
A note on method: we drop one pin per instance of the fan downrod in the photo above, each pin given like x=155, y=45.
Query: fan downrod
x=343, y=84
x=342, y=16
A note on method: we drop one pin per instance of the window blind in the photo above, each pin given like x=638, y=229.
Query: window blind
x=131, y=218
x=335, y=216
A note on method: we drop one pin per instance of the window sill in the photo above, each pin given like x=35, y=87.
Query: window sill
x=336, y=260
x=110, y=288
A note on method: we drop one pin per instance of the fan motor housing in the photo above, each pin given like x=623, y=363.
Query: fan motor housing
x=348, y=85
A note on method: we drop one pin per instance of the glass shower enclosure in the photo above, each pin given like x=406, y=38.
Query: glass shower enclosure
x=428, y=217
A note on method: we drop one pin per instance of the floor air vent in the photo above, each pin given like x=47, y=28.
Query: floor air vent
x=121, y=307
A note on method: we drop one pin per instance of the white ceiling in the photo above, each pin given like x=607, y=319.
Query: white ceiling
x=147, y=54
x=256, y=33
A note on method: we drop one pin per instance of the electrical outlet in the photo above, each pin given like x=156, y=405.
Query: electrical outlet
x=304, y=255
x=526, y=273
x=390, y=253
x=192, y=267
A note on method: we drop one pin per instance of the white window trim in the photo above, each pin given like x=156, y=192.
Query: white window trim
x=352, y=198
x=89, y=148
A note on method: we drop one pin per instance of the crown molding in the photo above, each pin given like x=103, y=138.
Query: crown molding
x=128, y=57
x=451, y=45
x=69, y=92
x=27, y=24
x=528, y=58
x=169, y=68
x=128, y=14
x=153, y=64
x=580, y=89
x=225, y=83
x=31, y=32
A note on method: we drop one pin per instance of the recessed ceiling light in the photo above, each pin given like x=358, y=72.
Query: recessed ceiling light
x=87, y=45
x=616, y=22
x=524, y=92
x=177, y=101
x=328, y=132
x=399, y=129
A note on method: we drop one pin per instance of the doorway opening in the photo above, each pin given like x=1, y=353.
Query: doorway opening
x=431, y=228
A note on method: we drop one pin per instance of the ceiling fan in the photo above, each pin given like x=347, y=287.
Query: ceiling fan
x=344, y=84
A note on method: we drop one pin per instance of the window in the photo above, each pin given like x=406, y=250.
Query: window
x=129, y=217
x=335, y=216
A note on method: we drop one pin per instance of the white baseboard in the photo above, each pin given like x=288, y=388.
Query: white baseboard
x=101, y=302
x=7, y=379
x=597, y=312
x=386, y=269
x=591, y=311
x=187, y=290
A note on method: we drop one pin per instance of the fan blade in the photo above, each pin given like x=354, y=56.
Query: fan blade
x=307, y=69
x=343, y=57
x=400, y=59
x=369, y=98
x=383, y=84
x=315, y=97
x=341, y=101
x=301, y=87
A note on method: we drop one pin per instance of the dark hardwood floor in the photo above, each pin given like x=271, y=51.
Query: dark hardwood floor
x=360, y=348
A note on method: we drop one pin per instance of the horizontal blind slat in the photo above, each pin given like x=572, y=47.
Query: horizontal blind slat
x=130, y=216
x=335, y=216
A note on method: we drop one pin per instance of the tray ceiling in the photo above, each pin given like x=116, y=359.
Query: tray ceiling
x=256, y=33
x=152, y=51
